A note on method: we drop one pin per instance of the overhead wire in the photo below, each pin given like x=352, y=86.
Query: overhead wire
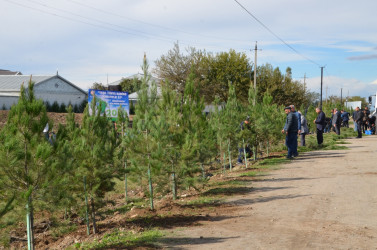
x=275, y=35
x=152, y=24
x=106, y=25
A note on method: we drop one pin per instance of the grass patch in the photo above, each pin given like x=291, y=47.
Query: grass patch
x=123, y=240
x=272, y=162
x=204, y=201
x=249, y=174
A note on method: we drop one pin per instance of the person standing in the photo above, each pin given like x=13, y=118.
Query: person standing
x=336, y=121
x=359, y=121
x=298, y=115
x=320, y=122
x=345, y=118
x=354, y=120
x=290, y=130
x=304, y=128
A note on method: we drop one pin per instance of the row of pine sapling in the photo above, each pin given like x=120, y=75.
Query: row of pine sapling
x=170, y=143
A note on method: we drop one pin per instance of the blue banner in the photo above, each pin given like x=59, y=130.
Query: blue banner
x=108, y=102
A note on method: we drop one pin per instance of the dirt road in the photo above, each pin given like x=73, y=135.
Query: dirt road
x=322, y=200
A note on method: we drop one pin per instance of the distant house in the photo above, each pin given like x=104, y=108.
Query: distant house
x=4, y=72
x=52, y=88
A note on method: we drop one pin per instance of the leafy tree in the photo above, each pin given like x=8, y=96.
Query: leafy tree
x=220, y=69
x=175, y=66
x=130, y=85
x=282, y=88
x=23, y=155
x=99, y=86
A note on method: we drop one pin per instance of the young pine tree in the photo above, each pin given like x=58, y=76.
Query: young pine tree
x=23, y=156
x=93, y=148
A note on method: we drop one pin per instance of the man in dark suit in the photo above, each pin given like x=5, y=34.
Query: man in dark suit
x=359, y=121
x=320, y=122
x=290, y=130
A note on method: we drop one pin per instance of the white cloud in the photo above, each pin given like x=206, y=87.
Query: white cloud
x=37, y=42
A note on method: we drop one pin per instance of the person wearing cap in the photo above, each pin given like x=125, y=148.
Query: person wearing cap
x=320, y=122
x=290, y=130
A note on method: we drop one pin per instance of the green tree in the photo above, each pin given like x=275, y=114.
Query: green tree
x=143, y=138
x=220, y=69
x=175, y=66
x=99, y=86
x=24, y=153
x=130, y=85
x=93, y=148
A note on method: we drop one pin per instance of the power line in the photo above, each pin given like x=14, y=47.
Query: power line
x=269, y=30
x=154, y=25
x=104, y=25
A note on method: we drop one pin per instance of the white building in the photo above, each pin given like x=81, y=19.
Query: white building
x=48, y=88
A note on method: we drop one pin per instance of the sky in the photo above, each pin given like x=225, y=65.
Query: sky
x=89, y=41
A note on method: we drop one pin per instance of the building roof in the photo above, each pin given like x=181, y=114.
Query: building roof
x=8, y=72
x=13, y=82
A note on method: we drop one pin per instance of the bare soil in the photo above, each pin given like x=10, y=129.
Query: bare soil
x=56, y=118
x=321, y=200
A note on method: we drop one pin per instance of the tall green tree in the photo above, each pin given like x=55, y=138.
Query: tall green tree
x=93, y=148
x=24, y=153
x=143, y=139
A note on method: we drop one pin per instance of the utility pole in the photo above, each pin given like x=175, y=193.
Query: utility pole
x=322, y=86
x=341, y=97
x=304, y=82
x=255, y=71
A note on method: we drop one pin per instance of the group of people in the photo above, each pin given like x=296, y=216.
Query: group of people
x=296, y=124
x=367, y=123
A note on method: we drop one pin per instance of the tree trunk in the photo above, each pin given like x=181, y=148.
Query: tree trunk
x=125, y=183
x=93, y=216
x=150, y=186
x=174, y=185
x=244, y=152
x=29, y=224
x=230, y=156
x=86, y=209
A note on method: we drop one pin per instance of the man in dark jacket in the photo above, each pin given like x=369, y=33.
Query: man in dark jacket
x=359, y=121
x=290, y=130
x=320, y=122
x=345, y=118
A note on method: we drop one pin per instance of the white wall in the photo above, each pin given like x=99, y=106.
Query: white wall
x=8, y=101
x=55, y=89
